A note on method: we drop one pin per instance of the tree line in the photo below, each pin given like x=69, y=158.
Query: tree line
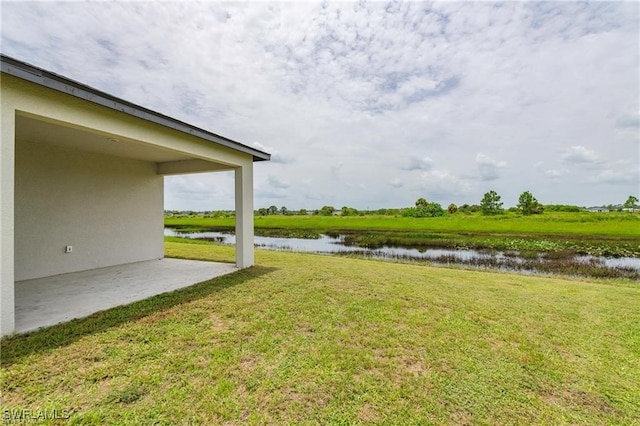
x=490, y=204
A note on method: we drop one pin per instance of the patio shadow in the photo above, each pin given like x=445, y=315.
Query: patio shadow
x=14, y=347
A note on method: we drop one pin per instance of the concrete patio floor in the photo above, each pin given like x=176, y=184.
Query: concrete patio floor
x=51, y=300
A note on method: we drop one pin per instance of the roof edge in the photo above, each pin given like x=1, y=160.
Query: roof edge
x=42, y=77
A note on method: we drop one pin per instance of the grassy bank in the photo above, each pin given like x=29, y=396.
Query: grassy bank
x=597, y=234
x=557, y=223
x=314, y=339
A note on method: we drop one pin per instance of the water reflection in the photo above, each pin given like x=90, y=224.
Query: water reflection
x=479, y=258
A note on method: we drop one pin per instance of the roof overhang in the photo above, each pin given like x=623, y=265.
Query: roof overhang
x=65, y=85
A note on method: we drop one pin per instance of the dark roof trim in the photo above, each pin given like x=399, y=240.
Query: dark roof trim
x=62, y=84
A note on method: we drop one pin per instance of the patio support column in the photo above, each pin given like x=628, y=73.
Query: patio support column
x=244, y=215
x=7, y=178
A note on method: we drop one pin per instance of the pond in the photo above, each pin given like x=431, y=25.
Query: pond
x=623, y=267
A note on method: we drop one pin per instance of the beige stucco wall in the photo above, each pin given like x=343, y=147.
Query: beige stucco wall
x=109, y=209
x=7, y=150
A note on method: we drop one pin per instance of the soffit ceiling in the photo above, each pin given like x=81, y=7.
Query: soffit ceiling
x=31, y=129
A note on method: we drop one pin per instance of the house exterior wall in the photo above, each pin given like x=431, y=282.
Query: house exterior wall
x=109, y=209
x=7, y=160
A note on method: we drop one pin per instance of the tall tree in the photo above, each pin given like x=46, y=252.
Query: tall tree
x=421, y=202
x=631, y=202
x=527, y=204
x=491, y=203
x=348, y=211
x=327, y=210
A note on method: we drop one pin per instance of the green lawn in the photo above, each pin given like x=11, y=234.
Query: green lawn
x=310, y=339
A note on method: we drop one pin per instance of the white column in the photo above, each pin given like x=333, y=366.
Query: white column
x=244, y=215
x=7, y=177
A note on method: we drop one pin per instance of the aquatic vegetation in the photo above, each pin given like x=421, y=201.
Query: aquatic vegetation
x=530, y=264
x=550, y=243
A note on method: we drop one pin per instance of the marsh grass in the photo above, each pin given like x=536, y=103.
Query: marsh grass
x=552, y=223
x=309, y=339
x=595, y=234
x=617, y=247
x=530, y=262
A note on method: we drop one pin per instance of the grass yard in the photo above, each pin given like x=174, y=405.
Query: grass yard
x=309, y=339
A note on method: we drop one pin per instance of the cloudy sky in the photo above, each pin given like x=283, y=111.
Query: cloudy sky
x=370, y=104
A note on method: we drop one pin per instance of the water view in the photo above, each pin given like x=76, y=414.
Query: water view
x=598, y=266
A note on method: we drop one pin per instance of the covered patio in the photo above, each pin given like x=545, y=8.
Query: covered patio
x=82, y=198
x=48, y=301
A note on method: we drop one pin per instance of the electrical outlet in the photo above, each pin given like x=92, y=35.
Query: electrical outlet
x=68, y=249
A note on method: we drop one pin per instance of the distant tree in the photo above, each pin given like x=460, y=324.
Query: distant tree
x=348, y=211
x=326, y=210
x=421, y=202
x=563, y=208
x=491, y=203
x=273, y=210
x=263, y=212
x=303, y=212
x=452, y=208
x=527, y=204
x=430, y=210
x=631, y=202
x=433, y=210
x=468, y=209
x=283, y=210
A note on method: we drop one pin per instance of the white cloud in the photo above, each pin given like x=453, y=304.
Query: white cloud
x=628, y=125
x=629, y=120
x=277, y=183
x=416, y=163
x=198, y=191
x=578, y=154
x=488, y=168
x=555, y=173
x=441, y=185
x=349, y=97
x=397, y=183
x=335, y=170
x=276, y=155
x=617, y=177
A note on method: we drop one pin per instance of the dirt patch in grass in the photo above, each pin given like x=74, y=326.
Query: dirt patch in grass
x=368, y=414
x=572, y=399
